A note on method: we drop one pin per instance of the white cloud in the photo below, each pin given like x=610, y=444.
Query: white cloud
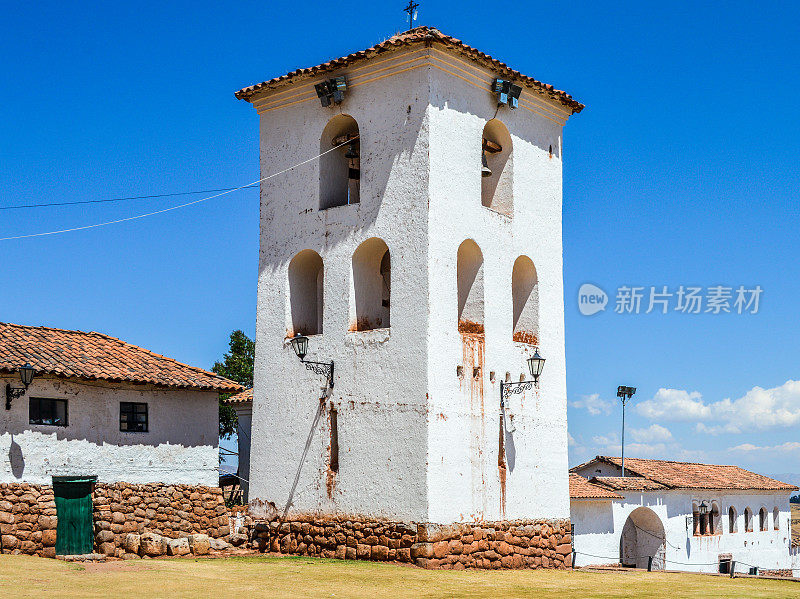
x=593, y=404
x=759, y=409
x=612, y=439
x=655, y=441
x=571, y=440
x=649, y=450
x=611, y=445
x=674, y=404
x=655, y=433
x=787, y=447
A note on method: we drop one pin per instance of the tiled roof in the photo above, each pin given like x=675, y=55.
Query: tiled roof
x=94, y=356
x=628, y=483
x=580, y=488
x=419, y=35
x=244, y=396
x=690, y=475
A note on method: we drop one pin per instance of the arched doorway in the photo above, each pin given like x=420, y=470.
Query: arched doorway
x=642, y=537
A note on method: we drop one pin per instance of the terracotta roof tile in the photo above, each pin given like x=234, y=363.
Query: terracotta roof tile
x=690, y=475
x=580, y=488
x=244, y=396
x=418, y=35
x=94, y=356
x=628, y=483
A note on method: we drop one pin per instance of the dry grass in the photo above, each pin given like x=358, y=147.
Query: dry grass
x=285, y=577
x=795, y=524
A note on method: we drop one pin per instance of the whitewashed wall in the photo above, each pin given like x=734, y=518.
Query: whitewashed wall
x=180, y=446
x=380, y=389
x=414, y=443
x=464, y=479
x=766, y=549
x=595, y=536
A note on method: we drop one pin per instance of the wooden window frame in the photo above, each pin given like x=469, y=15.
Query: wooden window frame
x=52, y=401
x=131, y=410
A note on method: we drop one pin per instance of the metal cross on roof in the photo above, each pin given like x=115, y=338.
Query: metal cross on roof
x=411, y=9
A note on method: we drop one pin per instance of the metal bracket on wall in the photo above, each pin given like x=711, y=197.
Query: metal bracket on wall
x=324, y=368
x=12, y=393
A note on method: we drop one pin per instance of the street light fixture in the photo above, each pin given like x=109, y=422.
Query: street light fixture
x=703, y=508
x=300, y=347
x=625, y=394
x=535, y=366
x=26, y=373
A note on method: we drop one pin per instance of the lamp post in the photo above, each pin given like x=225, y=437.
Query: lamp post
x=535, y=365
x=625, y=394
x=26, y=373
x=300, y=347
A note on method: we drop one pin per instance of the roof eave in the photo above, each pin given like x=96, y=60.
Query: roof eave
x=431, y=37
x=223, y=387
x=595, y=498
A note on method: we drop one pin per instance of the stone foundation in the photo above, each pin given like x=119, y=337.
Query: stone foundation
x=781, y=573
x=122, y=512
x=487, y=545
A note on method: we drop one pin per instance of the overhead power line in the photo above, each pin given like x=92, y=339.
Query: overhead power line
x=163, y=210
x=159, y=195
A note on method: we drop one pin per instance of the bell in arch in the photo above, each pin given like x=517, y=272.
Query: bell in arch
x=485, y=170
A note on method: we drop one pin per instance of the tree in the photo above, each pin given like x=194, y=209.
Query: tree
x=236, y=365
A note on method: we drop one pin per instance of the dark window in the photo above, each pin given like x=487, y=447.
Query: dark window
x=132, y=417
x=47, y=411
x=334, y=441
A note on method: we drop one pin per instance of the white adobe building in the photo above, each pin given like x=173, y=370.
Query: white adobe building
x=424, y=282
x=683, y=516
x=105, y=410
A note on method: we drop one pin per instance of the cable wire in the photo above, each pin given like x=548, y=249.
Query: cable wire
x=664, y=559
x=655, y=536
x=163, y=210
x=159, y=195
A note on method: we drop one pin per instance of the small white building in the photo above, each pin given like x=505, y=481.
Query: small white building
x=101, y=408
x=422, y=254
x=679, y=516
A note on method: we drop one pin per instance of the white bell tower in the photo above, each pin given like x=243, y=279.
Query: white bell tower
x=422, y=254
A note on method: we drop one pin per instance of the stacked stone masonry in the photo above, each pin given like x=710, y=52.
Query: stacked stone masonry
x=129, y=520
x=780, y=573
x=486, y=545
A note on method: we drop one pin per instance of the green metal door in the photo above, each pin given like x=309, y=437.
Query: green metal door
x=74, y=533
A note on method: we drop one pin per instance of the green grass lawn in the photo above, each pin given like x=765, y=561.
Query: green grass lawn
x=278, y=577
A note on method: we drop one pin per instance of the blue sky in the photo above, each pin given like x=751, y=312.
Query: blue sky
x=682, y=170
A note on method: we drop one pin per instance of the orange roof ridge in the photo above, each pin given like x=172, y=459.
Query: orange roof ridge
x=112, y=338
x=669, y=461
x=417, y=35
x=243, y=397
x=691, y=475
x=581, y=488
x=97, y=356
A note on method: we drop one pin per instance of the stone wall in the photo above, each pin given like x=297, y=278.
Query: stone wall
x=129, y=519
x=27, y=519
x=782, y=573
x=487, y=545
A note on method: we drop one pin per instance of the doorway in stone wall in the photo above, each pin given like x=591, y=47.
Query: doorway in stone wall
x=643, y=540
x=73, y=497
